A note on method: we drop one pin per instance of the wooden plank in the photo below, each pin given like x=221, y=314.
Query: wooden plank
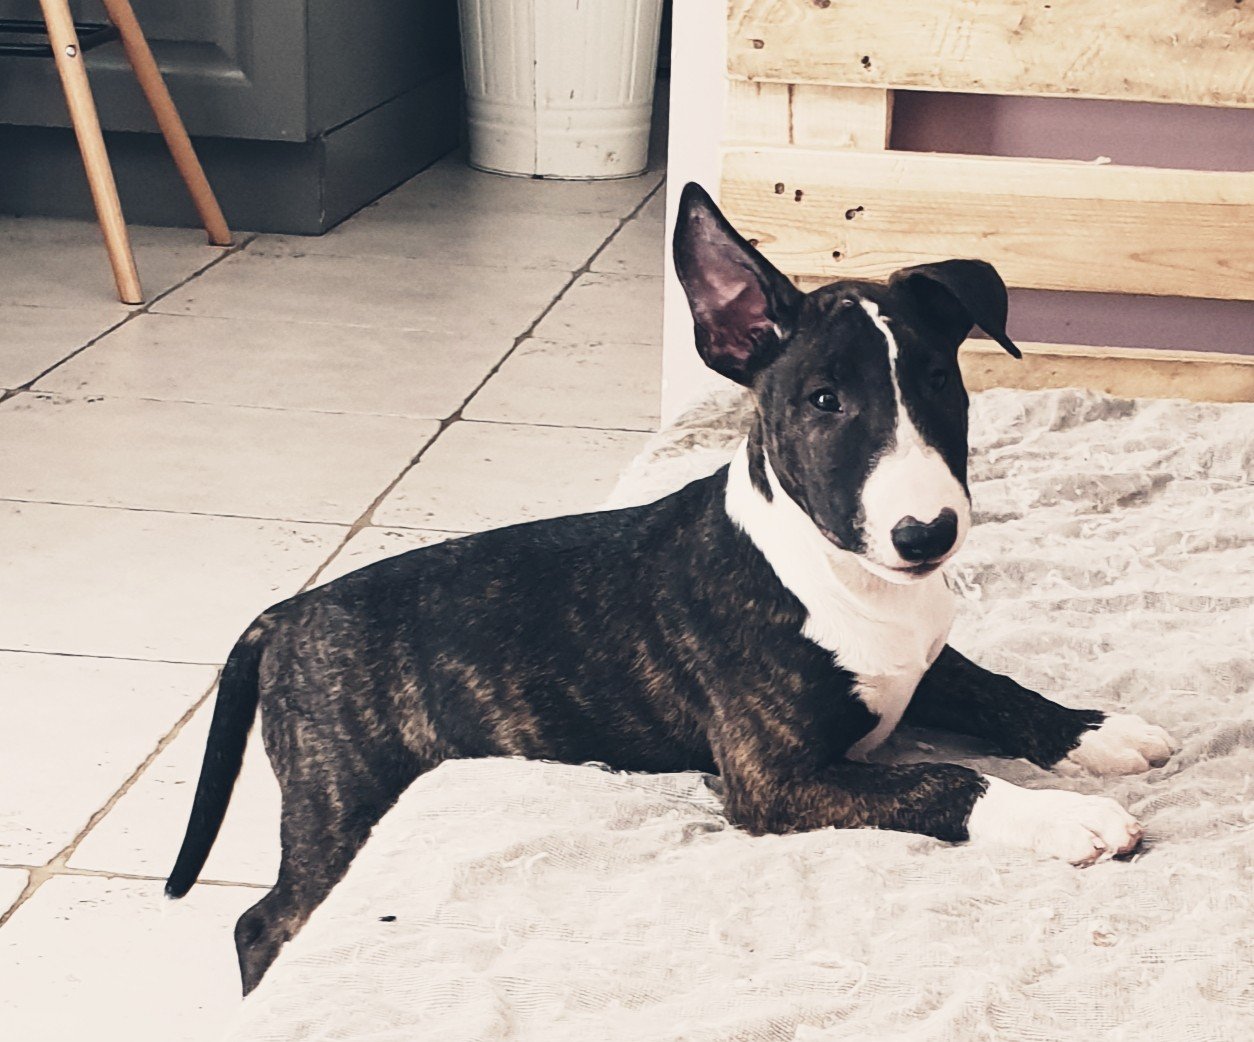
x=757, y=114
x=839, y=117
x=1044, y=224
x=809, y=115
x=1125, y=372
x=1191, y=52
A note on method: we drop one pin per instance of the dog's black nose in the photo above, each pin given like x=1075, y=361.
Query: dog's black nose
x=916, y=541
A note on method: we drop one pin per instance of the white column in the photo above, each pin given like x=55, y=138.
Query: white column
x=697, y=103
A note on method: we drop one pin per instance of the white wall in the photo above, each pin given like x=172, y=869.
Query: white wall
x=698, y=97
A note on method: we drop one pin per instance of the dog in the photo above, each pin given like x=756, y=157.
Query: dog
x=771, y=623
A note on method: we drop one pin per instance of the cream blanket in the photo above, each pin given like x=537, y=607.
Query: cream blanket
x=1112, y=565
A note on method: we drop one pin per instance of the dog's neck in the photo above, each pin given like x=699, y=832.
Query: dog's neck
x=874, y=627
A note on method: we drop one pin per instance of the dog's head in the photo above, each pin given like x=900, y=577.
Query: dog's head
x=861, y=411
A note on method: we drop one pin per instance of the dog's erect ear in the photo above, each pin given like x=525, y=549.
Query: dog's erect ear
x=960, y=294
x=742, y=306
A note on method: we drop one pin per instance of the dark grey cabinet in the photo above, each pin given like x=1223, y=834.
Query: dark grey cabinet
x=302, y=110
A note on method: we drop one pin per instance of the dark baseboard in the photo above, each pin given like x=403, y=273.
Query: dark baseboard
x=267, y=186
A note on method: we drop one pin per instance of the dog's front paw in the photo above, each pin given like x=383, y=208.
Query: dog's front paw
x=1123, y=744
x=1053, y=822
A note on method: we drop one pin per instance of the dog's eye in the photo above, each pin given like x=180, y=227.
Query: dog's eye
x=826, y=400
x=937, y=380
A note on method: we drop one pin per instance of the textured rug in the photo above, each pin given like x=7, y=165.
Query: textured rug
x=1111, y=565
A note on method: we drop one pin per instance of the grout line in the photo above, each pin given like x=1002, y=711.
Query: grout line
x=325, y=522
x=364, y=520
x=105, y=873
x=560, y=426
x=125, y=508
x=223, y=253
x=451, y=533
x=110, y=658
x=82, y=394
x=92, y=397
x=57, y=864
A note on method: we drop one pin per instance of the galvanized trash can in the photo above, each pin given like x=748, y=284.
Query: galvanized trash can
x=560, y=88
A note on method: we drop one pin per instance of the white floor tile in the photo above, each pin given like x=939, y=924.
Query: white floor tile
x=142, y=833
x=509, y=240
x=381, y=292
x=128, y=583
x=655, y=208
x=12, y=883
x=74, y=730
x=283, y=365
x=606, y=309
x=453, y=185
x=112, y=960
x=483, y=475
x=295, y=378
x=603, y=385
x=638, y=249
x=374, y=544
x=59, y=263
x=36, y=338
x=213, y=459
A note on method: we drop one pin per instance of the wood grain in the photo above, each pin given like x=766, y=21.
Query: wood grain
x=151, y=82
x=1044, y=224
x=82, y=107
x=840, y=117
x=757, y=114
x=1191, y=52
x=808, y=115
x=1125, y=372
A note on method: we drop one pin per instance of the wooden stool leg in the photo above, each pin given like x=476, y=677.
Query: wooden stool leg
x=104, y=190
x=139, y=54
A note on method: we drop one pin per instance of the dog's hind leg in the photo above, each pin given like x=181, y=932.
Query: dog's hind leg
x=332, y=797
x=262, y=930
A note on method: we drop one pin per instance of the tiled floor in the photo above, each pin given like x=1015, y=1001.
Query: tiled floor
x=471, y=350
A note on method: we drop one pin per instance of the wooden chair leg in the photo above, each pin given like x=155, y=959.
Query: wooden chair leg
x=139, y=54
x=104, y=190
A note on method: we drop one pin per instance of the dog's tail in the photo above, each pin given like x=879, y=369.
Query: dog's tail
x=238, y=694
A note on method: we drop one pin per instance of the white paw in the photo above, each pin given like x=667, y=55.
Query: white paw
x=1053, y=822
x=1124, y=744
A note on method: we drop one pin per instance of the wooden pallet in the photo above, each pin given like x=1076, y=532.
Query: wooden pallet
x=807, y=174
x=1190, y=52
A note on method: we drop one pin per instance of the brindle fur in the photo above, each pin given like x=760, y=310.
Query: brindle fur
x=959, y=696
x=655, y=638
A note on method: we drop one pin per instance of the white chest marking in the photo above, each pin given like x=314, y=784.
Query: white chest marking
x=886, y=634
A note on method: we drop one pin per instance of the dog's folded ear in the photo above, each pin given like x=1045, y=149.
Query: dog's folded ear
x=959, y=294
x=742, y=305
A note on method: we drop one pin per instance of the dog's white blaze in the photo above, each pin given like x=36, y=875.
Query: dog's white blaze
x=885, y=633
x=912, y=480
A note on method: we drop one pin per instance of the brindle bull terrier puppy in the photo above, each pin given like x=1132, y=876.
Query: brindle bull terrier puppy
x=772, y=622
